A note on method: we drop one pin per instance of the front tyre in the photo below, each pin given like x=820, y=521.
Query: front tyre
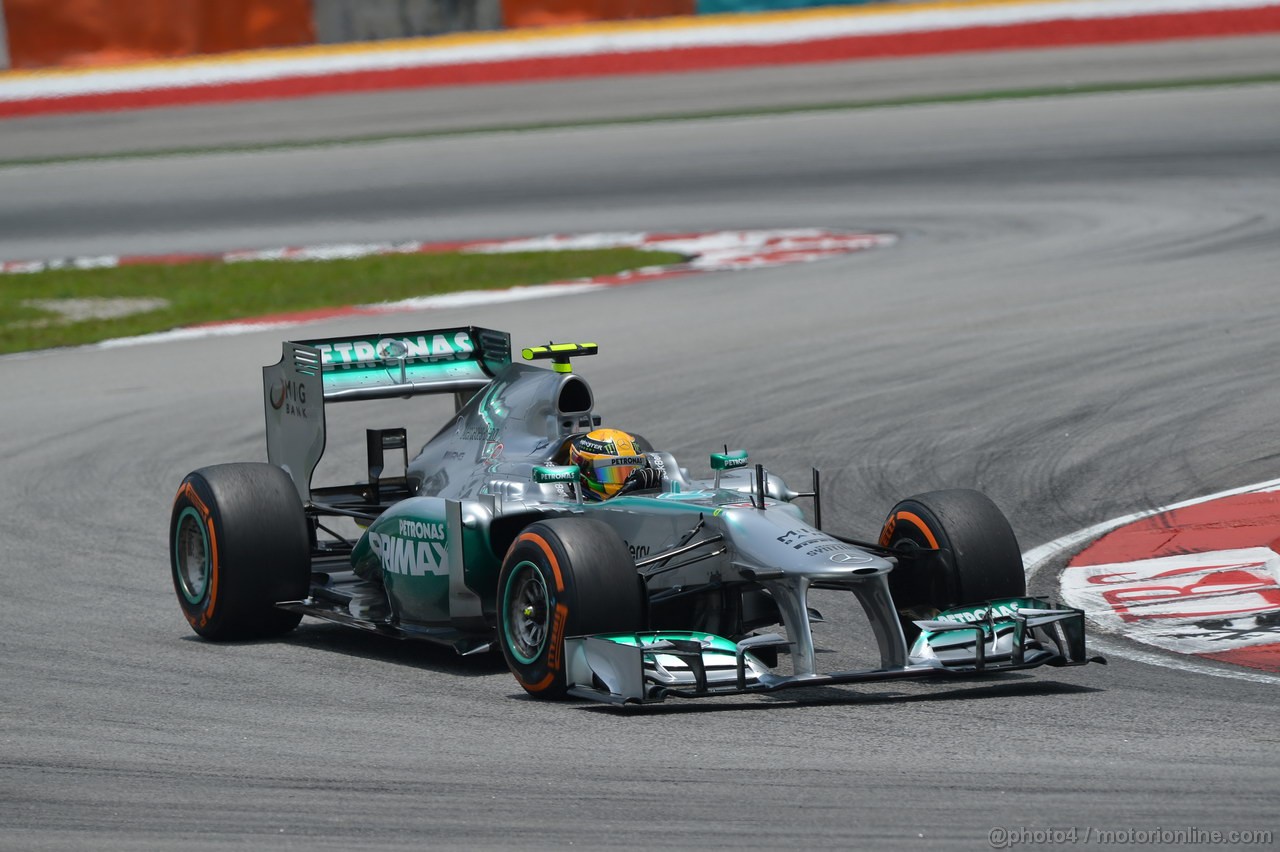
x=981, y=559
x=563, y=577
x=238, y=543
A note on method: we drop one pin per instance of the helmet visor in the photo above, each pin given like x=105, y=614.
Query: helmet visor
x=612, y=472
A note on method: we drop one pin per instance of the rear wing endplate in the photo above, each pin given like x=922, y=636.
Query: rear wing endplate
x=311, y=373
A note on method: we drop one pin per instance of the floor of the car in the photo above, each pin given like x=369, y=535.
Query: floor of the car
x=338, y=594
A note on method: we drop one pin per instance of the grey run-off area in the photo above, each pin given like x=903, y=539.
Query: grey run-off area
x=1078, y=320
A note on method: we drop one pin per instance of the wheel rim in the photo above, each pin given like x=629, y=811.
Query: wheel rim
x=191, y=556
x=526, y=604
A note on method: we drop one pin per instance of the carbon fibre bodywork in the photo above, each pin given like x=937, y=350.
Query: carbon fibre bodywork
x=719, y=559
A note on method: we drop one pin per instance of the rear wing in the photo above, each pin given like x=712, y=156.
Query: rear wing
x=311, y=373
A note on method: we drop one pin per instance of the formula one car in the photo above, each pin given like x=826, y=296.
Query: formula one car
x=486, y=537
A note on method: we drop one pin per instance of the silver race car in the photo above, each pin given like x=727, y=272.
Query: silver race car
x=674, y=587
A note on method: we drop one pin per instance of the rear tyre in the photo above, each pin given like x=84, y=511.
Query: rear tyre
x=238, y=543
x=983, y=561
x=563, y=577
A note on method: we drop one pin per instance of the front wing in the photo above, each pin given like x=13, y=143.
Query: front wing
x=644, y=668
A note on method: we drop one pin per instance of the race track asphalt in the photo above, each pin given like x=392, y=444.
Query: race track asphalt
x=468, y=108
x=1080, y=320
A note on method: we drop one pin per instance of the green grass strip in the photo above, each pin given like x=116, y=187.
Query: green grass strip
x=740, y=112
x=206, y=292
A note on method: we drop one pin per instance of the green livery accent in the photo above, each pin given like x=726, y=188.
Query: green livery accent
x=527, y=572
x=200, y=574
x=412, y=362
x=729, y=461
x=379, y=351
x=676, y=502
x=997, y=613
x=555, y=473
x=375, y=377
x=644, y=640
x=652, y=504
x=411, y=556
x=997, y=610
x=401, y=359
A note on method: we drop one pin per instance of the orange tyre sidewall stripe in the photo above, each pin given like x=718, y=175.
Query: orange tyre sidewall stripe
x=188, y=490
x=213, y=571
x=540, y=685
x=561, y=616
x=915, y=520
x=551, y=557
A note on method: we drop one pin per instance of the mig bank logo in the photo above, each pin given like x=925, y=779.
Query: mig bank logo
x=289, y=396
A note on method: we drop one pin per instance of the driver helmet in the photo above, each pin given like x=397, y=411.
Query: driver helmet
x=605, y=458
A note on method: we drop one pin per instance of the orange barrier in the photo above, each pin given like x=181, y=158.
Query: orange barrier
x=44, y=33
x=541, y=13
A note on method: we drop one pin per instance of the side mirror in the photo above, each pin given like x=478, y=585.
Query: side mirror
x=720, y=462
